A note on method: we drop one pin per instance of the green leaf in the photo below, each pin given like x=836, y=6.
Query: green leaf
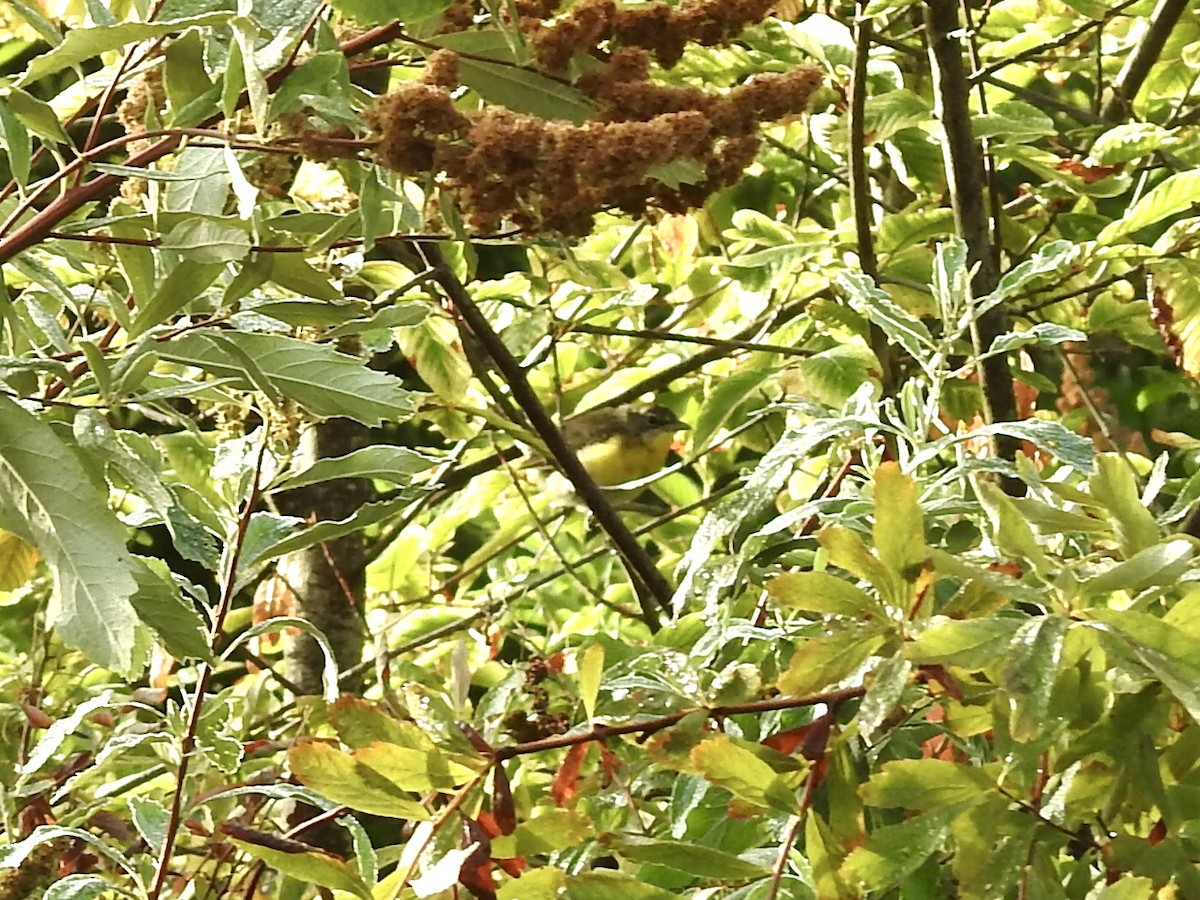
x=1169, y=652
x=411, y=769
x=1016, y=120
x=47, y=500
x=37, y=115
x=312, y=866
x=925, y=784
x=84, y=887
x=524, y=91
x=326, y=383
x=900, y=326
x=1043, y=334
x=899, y=529
x=884, y=690
x=1158, y=565
x=82, y=44
x=16, y=142
x=344, y=780
x=437, y=358
x=885, y=114
x=1114, y=486
x=1034, y=661
x=598, y=885
x=847, y=550
x=895, y=851
x=174, y=620
x=1012, y=533
x=972, y=644
x=184, y=284
x=536, y=884
x=1175, y=194
x=743, y=774
x=151, y=819
x=380, y=12
x=820, y=663
x=1129, y=141
x=207, y=241
x=397, y=465
x=824, y=594
x=702, y=862
x=548, y=830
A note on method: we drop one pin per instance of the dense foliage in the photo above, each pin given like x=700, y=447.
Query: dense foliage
x=297, y=294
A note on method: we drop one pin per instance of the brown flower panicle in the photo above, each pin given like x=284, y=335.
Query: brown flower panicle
x=506, y=168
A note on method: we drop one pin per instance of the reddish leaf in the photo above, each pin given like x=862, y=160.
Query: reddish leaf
x=476, y=872
x=567, y=779
x=503, y=808
x=1157, y=833
x=36, y=717
x=610, y=762
x=1089, y=174
x=808, y=740
x=476, y=739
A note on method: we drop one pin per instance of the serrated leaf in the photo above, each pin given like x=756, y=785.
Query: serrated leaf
x=1175, y=194
x=524, y=91
x=82, y=44
x=47, y=500
x=397, y=465
x=207, y=241
x=323, y=381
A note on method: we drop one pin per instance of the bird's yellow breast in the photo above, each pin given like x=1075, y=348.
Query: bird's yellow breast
x=626, y=457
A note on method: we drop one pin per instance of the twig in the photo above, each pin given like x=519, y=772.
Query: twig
x=640, y=565
x=188, y=742
x=1141, y=60
x=965, y=173
x=860, y=197
x=652, y=335
x=601, y=732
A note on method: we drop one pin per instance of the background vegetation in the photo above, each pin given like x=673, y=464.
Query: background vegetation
x=293, y=287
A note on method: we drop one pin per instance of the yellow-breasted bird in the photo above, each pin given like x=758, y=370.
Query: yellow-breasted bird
x=623, y=443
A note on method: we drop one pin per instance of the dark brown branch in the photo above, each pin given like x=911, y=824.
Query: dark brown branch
x=651, y=335
x=1141, y=60
x=965, y=174
x=66, y=204
x=658, y=723
x=860, y=196
x=652, y=586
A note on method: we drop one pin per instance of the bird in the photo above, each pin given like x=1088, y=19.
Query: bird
x=622, y=443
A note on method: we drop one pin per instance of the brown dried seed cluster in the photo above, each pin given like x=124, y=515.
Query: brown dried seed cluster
x=662, y=29
x=506, y=168
x=145, y=93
